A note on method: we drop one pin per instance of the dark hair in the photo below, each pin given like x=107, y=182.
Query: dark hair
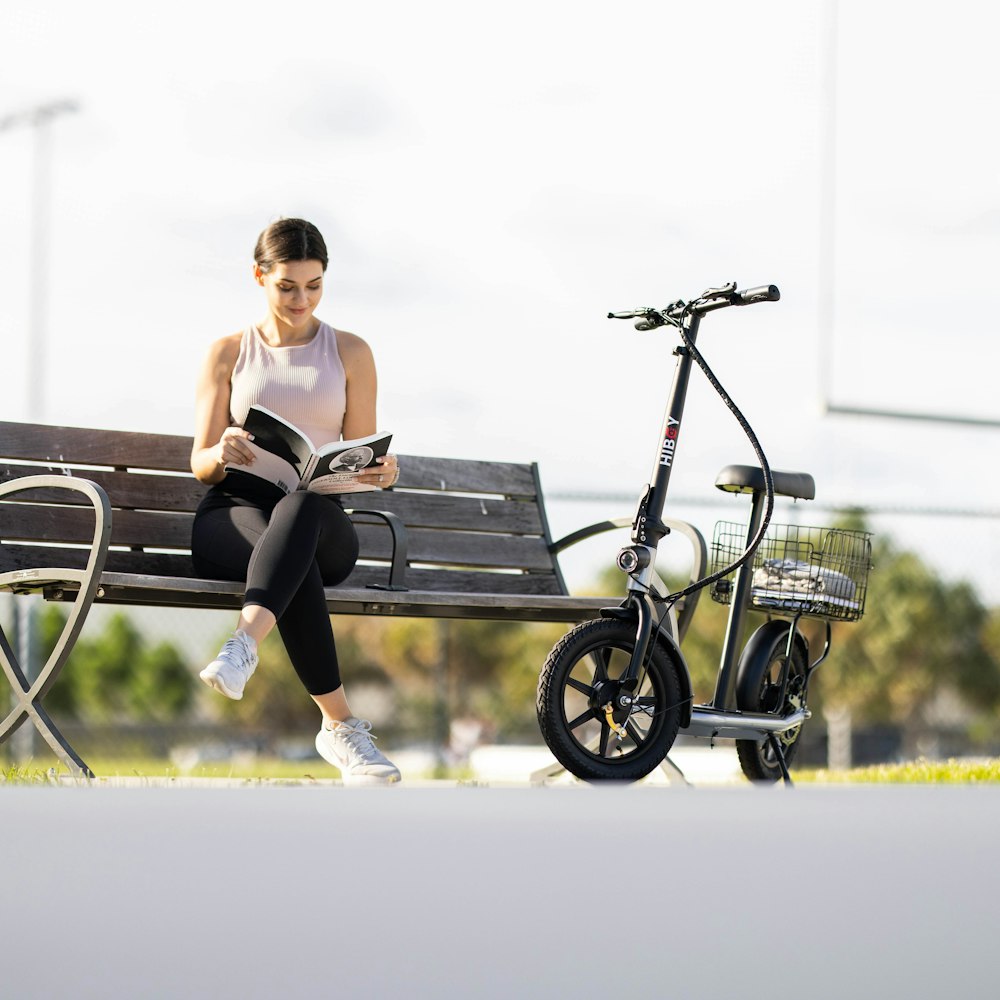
x=289, y=239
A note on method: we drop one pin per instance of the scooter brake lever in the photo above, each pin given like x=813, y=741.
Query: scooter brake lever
x=717, y=293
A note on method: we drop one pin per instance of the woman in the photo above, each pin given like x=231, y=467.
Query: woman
x=286, y=548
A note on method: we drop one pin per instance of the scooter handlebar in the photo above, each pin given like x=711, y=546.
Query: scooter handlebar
x=763, y=293
x=709, y=301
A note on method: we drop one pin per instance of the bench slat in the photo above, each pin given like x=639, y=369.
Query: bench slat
x=91, y=446
x=466, y=476
x=129, y=490
x=351, y=598
x=460, y=548
x=145, y=491
x=165, y=564
x=63, y=446
x=26, y=523
x=438, y=581
x=427, y=510
x=47, y=523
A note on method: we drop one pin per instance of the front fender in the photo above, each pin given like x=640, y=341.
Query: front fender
x=662, y=635
x=683, y=674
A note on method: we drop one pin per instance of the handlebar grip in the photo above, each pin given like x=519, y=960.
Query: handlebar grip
x=764, y=293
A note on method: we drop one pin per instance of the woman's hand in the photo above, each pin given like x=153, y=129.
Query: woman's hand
x=383, y=475
x=232, y=449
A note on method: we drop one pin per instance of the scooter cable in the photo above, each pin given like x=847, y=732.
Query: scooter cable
x=761, y=458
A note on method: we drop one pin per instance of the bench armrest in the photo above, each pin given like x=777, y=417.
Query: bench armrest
x=400, y=541
x=699, y=562
x=592, y=529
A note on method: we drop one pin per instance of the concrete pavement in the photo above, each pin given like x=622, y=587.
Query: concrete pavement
x=576, y=892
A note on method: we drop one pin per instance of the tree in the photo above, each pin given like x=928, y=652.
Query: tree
x=161, y=687
x=115, y=675
x=104, y=667
x=483, y=670
x=922, y=637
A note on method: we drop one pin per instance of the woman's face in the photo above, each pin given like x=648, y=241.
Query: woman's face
x=293, y=290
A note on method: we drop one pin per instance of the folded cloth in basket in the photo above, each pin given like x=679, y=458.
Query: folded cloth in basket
x=792, y=576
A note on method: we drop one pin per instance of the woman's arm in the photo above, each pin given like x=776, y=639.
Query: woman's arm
x=360, y=415
x=215, y=442
x=362, y=386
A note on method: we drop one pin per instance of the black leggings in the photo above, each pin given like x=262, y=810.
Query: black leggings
x=287, y=548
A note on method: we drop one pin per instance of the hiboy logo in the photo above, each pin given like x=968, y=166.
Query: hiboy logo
x=669, y=441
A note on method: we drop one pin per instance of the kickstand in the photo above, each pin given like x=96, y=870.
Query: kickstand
x=779, y=756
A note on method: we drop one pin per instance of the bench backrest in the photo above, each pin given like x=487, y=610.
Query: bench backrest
x=473, y=527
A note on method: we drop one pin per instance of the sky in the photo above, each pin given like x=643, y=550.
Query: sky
x=492, y=180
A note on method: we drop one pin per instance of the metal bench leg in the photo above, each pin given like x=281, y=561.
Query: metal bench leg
x=674, y=774
x=28, y=697
x=554, y=770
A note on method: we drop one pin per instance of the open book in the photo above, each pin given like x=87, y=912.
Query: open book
x=287, y=458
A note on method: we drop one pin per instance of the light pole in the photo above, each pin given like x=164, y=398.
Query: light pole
x=39, y=119
x=826, y=295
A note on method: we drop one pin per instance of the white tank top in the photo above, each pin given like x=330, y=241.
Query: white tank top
x=306, y=384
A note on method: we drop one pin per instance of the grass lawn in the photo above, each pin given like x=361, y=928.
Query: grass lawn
x=919, y=772
x=261, y=768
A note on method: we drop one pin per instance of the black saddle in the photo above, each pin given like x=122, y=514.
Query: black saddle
x=750, y=479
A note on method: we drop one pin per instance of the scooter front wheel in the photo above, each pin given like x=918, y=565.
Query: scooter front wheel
x=596, y=725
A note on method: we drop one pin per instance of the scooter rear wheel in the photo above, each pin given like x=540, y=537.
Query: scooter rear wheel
x=595, y=726
x=758, y=689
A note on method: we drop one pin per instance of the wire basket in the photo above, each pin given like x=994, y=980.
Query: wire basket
x=816, y=572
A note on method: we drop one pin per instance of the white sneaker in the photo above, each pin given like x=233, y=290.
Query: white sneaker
x=348, y=746
x=229, y=672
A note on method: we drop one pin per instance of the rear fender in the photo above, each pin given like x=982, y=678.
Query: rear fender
x=771, y=636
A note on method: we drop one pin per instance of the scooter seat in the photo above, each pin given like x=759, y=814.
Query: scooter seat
x=750, y=479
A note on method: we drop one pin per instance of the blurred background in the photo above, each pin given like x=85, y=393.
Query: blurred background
x=492, y=179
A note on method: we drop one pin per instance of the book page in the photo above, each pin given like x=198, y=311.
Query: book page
x=276, y=435
x=337, y=466
x=270, y=467
x=343, y=482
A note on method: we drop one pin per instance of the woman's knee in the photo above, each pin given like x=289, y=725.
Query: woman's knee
x=302, y=504
x=336, y=538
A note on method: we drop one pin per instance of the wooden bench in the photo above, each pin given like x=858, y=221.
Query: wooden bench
x=101, y=515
